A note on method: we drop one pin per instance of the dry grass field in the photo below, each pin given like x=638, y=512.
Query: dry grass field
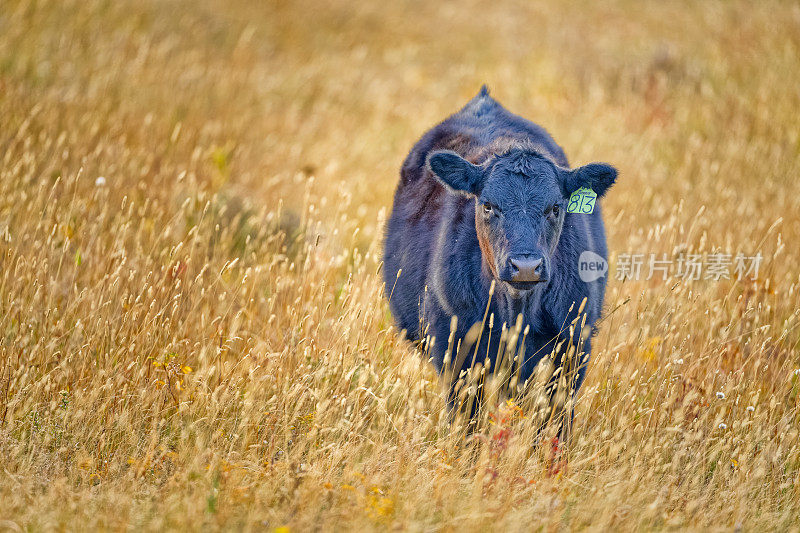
x=193, y=328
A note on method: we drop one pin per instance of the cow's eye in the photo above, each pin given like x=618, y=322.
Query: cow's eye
x=487, y=208
x=554, y=210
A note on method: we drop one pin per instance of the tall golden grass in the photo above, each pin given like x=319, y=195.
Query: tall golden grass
x=193, y=330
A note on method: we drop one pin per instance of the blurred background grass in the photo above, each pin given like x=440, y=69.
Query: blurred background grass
x=269, y=135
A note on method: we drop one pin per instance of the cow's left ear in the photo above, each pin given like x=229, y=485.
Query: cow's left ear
x=596, y=176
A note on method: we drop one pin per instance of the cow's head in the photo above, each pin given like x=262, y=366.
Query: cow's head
x=520, y=204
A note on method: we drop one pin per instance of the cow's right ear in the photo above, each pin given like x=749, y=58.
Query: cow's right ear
x=456, y=172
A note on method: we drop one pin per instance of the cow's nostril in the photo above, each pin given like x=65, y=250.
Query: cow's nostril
x=525, y=268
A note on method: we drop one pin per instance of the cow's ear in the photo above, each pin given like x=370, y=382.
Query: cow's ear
x=456, y=172
x=596, y=176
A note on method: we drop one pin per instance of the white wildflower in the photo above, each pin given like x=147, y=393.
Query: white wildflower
x=723, y=426
x=100, y=182
x=720, y=395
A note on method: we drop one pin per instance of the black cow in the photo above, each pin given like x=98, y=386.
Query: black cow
x=480, y=229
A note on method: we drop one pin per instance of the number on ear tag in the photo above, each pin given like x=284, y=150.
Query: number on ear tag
x=582, y=201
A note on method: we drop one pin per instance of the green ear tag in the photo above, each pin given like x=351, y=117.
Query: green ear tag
x=582, y=201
